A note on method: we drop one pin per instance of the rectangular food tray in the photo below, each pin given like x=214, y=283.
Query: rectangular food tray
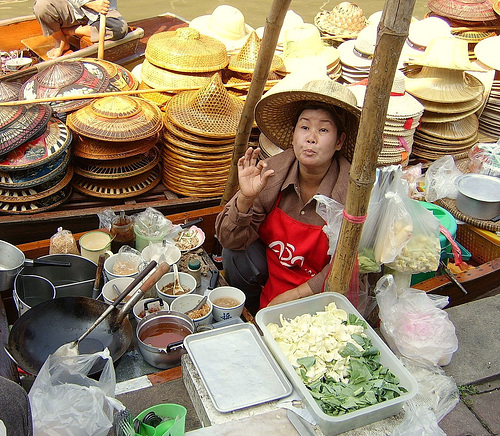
x=332, y=425
x=236, y=367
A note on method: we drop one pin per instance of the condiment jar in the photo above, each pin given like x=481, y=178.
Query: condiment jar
x=122, y=231
x=194, y=268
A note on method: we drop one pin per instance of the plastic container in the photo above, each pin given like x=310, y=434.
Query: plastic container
x=331, y=425
x=173, y=427
x=194, y=268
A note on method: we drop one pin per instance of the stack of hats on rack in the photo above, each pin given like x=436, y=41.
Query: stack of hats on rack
x=343, y=22
x=200, y=130
x=115, y=140
x=180, y=59
x=450, y=95
x=403, y=117
x=489, y=121
x=120, y=79
x=35, y=173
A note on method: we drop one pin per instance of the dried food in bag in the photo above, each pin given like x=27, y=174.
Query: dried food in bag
x=63, y=242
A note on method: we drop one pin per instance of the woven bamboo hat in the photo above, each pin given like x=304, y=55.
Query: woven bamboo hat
x=463, y=10
x=276, y=113
x=186, y=50
x=160, y=99
x=47, y=147
x=487, y=52
x=66, y=78
x=302, y=45
x=461, y=129
x=41, y=205
x=246, y=59
x=120, y=79
x=227, y=24
x=18, y=126
x=447, y=52
x=345, y=20
x=452, y=107
x=117, y=119
x=443, y=85
x=9, y=91
x=157, y=77
x=211, y=111
x=421, y=33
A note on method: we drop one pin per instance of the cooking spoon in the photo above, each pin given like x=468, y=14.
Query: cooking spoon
x=71, y=348
x=198, y=306
x=177, y=289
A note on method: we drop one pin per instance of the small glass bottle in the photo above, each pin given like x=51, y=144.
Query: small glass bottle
x=194, y=268
x=217, y=254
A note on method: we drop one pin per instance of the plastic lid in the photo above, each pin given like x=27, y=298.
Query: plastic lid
x=445, y=218
x=194, y=264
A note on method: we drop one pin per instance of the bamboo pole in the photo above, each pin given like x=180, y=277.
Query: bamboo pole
x=274, y=21
x=392, y=33
x=119, y=93
x=102, y=34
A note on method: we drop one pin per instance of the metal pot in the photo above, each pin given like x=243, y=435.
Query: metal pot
x=160, y=337
x=478, y=196
x=31, y=290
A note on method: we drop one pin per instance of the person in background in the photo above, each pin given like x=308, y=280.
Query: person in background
x=15, y=410
x=64, y=18
x=274, y=246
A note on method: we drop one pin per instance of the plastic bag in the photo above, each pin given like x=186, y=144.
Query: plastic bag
x=127, y=261
x=484, y=158
x=416, y=180
x=65, y=401
x=331, y=211
x=414, y=325
x=105, y=218
x=152, y=223
x=418, y=421
x=440, y=179
x=63, y=242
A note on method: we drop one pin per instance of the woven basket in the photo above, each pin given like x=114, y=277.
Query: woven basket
x=483, y=244
x=116, y=169
x=186, y=50
x=9, y=91
x=117, y=119
x=42, y=205
x=465, y=10
x=345, y=20
x=209, y=112
x=90, y=148
x=118, y=188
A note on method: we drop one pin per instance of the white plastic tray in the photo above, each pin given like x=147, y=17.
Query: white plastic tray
x=236, y=367
x=332, y=425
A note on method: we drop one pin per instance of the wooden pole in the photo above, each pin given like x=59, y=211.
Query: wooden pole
x=392, y=33
x=271, y=33
x=102, y=34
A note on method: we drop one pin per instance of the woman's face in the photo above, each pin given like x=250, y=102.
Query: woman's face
x=315, y=138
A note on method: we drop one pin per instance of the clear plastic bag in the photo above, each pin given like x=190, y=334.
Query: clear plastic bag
x=331, y=211
x=65, y=401
x=414, y=324
x=127, y=261
x=63, y=242
x=440, y=179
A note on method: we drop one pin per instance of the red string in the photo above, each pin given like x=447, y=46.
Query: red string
x=354, y=219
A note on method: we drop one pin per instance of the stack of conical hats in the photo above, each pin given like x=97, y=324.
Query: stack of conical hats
x=115, y=140
x=9, y=91
x=120, y=79
x=450, y=95
x=180, y=59
x=403, y=117
x=66, y=78
x=200, y=129
x=242, y=65
x=34, y=159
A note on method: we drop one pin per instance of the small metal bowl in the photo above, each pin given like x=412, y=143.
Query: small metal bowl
x=478, y=196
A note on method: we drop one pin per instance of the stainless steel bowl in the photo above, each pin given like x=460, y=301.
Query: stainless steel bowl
x=478, y=196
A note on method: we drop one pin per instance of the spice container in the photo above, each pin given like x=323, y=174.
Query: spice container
x=122, y=231
x=194, y=268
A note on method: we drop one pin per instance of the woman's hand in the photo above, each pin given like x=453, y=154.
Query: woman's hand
x=300, y=291
x=99, y=6
x=252, y=178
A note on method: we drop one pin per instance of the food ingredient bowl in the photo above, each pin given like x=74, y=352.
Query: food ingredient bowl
x=478, y=196
x=165, y=284
x=331, y=425
x=185, y=302
x=119, y=265
x=169, y=253
x=109, y=294
x=228, y=302
x=147, y=306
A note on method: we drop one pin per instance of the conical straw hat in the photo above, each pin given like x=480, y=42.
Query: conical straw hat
x=120, y=79
x=157, y=77
x=246, y=59
x=211, y=111
x=191, y=137
x=345, y=20
x=66, y=78
x=117, y=118
x=160, y=99
x=452, y=130
x=198, y=145
x=9, y=91
x=463, y=10
x=452, y=107
x=186, y=50
x=436, y=117
x=444, y=85
x=41, y=205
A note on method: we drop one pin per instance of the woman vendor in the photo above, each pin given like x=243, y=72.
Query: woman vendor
x=270, y=231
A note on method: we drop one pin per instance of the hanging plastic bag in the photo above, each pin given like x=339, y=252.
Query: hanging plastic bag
x=63, y=242
x=331, y=211
x=440, y=179
x=414, y=324
x=65, y=401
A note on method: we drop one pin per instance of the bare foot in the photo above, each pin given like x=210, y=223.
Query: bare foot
x=58, y=50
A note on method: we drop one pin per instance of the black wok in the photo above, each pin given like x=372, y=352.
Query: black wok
x=44, y=328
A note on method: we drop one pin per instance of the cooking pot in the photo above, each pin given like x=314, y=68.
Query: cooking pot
x=160, y=337
x=478, y=196
x=31, y=290
x=12, y=260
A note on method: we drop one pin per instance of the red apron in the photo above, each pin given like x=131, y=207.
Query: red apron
x=295, y=252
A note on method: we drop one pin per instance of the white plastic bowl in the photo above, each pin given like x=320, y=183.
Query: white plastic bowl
x=169, y=253
x=187, y=280
x=186, y=302
x=222, y=313
x=108, y=293
x=109, y=264
x=139, y=307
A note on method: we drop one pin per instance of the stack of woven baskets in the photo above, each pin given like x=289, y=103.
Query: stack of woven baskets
x=179, y=60
x=199, y=134
x=35, y=173
x=115, y=140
